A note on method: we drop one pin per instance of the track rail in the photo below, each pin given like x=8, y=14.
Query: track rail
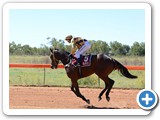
x=62, y=66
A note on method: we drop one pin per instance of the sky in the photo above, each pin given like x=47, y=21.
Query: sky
x=34, y=26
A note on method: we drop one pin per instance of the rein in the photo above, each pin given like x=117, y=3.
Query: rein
x=68, y=59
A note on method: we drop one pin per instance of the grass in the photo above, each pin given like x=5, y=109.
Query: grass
x=29, y=59
x=32, y=76
x=123, y=82
x=131, y=60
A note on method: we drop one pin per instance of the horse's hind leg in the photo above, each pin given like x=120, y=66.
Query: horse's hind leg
x=110, y=85
x=102, y=92
x=72, y=88
x=105, y=79
x=75, y=89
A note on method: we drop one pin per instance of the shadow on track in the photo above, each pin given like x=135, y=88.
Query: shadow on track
x=94, y=107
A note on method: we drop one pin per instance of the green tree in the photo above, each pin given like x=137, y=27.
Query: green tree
x=35, y=51
x=56, y=43
x=117, y=48
x=68, y=48
x=61, y=44
x=98, y=46
x=126, y=49
x=12, y=47
x=94, y=47
x=27, y=50
x=19, y=50
x=142, y=51
x=102, y=47
x=44, y=50
x=138, y=49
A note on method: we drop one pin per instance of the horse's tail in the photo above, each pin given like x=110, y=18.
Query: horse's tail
x=123, y=70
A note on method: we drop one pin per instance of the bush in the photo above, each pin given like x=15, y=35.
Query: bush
x=89, y=81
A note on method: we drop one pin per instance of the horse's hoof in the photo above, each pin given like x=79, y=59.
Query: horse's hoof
x=88, y=101
x=99, y=98
x=108, y=99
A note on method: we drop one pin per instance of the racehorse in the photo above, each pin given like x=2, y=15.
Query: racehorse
x=101, y=64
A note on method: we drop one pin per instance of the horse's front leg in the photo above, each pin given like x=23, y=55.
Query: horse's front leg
x=75, y=89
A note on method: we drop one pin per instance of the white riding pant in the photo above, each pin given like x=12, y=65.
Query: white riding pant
x=83, y=49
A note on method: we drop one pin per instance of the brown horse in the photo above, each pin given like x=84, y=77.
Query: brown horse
x=101, y=64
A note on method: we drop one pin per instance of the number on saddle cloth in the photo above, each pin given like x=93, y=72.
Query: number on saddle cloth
x=86, y=60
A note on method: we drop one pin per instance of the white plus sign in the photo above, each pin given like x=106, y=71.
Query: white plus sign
x=147, y=99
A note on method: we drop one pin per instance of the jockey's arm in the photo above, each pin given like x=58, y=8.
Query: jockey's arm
x=73, y=48
x=73, y=51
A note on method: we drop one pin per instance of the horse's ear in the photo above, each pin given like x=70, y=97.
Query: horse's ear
x=51, y=50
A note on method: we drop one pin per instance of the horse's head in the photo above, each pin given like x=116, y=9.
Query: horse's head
x=56, y=55
x=54, y=58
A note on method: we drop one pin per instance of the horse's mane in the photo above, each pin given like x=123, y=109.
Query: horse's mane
x=67, y=52
x=63, y=51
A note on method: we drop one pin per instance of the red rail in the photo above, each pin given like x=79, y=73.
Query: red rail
x=62, y=66
x=32, y=66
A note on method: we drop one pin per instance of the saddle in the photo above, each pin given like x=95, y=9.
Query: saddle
x=85, y=61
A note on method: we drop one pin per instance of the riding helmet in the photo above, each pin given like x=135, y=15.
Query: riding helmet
x=69, y=37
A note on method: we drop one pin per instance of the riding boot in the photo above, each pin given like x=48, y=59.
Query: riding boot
x=78, y=62
x=79, y=67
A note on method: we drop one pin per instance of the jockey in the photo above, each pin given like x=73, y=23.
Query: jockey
x=79, y=46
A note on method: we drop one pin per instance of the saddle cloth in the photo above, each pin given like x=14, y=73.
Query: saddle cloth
x=85, y=60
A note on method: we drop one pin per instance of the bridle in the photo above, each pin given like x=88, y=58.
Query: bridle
x=66, y=59
x=54, y=60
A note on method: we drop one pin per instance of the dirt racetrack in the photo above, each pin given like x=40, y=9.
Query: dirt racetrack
x=64, y=98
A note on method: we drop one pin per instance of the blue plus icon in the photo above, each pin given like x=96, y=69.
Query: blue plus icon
x=147, y=99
